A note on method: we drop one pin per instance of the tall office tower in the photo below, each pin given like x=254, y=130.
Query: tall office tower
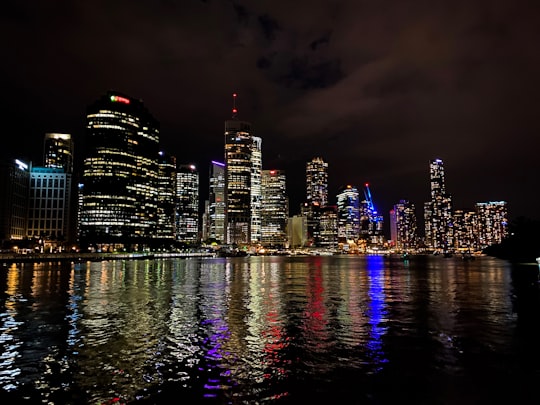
x=15, y=184
x=256, y=191
x=438, y=211
x=317, y=182
x=465, y=225
x=166, y=207
x=58, y=151
x=312, y=212
x=348, y=207
x=238, y=175
x=187, y=204
x=328, y=227
x=120, y=172
x=275, y=208
x=492, y=225
x=405, y=228
x=49, y=206
x=316, y=197
x=216, y=206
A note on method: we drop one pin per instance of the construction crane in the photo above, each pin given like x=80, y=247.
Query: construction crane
x=369, y=199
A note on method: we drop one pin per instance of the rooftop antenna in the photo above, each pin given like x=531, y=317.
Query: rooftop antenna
x=234, y=110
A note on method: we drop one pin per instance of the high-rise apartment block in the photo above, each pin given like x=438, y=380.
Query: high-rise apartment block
x=403, y=226
x=438, y=211
x=492, y=222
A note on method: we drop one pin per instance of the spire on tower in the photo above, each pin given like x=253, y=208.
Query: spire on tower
x=234, y=110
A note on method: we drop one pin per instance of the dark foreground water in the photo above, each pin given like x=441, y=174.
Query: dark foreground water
x=279, y=330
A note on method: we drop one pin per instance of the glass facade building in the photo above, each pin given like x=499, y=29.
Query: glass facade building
x=166, y=207
x=275, y=208
x=317, y=182
x=256, y=191
x=58, y=151
x=216, y=204
x=120, y=173
x=348, y=210
x=238, y=175
x=187, y=204
x=15, y=184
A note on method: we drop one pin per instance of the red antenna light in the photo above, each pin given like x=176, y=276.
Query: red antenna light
x=234, y=109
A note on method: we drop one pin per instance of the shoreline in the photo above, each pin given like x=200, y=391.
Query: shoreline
x=95, y=257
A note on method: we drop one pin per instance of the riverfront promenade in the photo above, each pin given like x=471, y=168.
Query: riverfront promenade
x=85, y=257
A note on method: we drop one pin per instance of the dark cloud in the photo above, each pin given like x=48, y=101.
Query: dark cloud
x=377, y=88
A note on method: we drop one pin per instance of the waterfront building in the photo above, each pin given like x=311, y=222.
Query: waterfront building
x=238, y=176
x=15, y=184
x=312, y=212
x=166, y=195
x=187, y=204
x=317, y=182
x=275, y=208
x=465, y=230
x=492, y=225
x=404, y=226
x=120, y=171
x=438, y=211
x=256, y=191
x=348, y=211
x=49, y=206
x=58, y=151
x=297, y=231
x=328, y=227
x=216, y=205
x=316, y=197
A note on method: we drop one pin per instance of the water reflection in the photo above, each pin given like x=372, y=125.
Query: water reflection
x=265, y=329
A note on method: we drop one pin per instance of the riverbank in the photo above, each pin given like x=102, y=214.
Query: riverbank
x=94, y=257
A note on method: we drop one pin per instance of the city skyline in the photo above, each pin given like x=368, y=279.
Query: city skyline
x=377, y=93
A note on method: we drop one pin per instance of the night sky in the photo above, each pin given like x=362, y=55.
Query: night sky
x=376, y=88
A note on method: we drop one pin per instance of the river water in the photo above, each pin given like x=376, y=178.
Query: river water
x=270, y=330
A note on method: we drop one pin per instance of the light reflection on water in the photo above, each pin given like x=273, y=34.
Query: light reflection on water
x=266, y=329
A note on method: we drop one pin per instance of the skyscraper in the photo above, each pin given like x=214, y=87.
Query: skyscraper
x=316, y=197
x=120, y=171
x=404, y=228
x=275, y=208
x=216, y=205
x=492, y=222
x=166, y=207
x=317, y=182
x=238, y=177
x=256, y=191
x=14, y=183
x=187, y=208
x=58, y=151
x=438, y=211
x=348, y=203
